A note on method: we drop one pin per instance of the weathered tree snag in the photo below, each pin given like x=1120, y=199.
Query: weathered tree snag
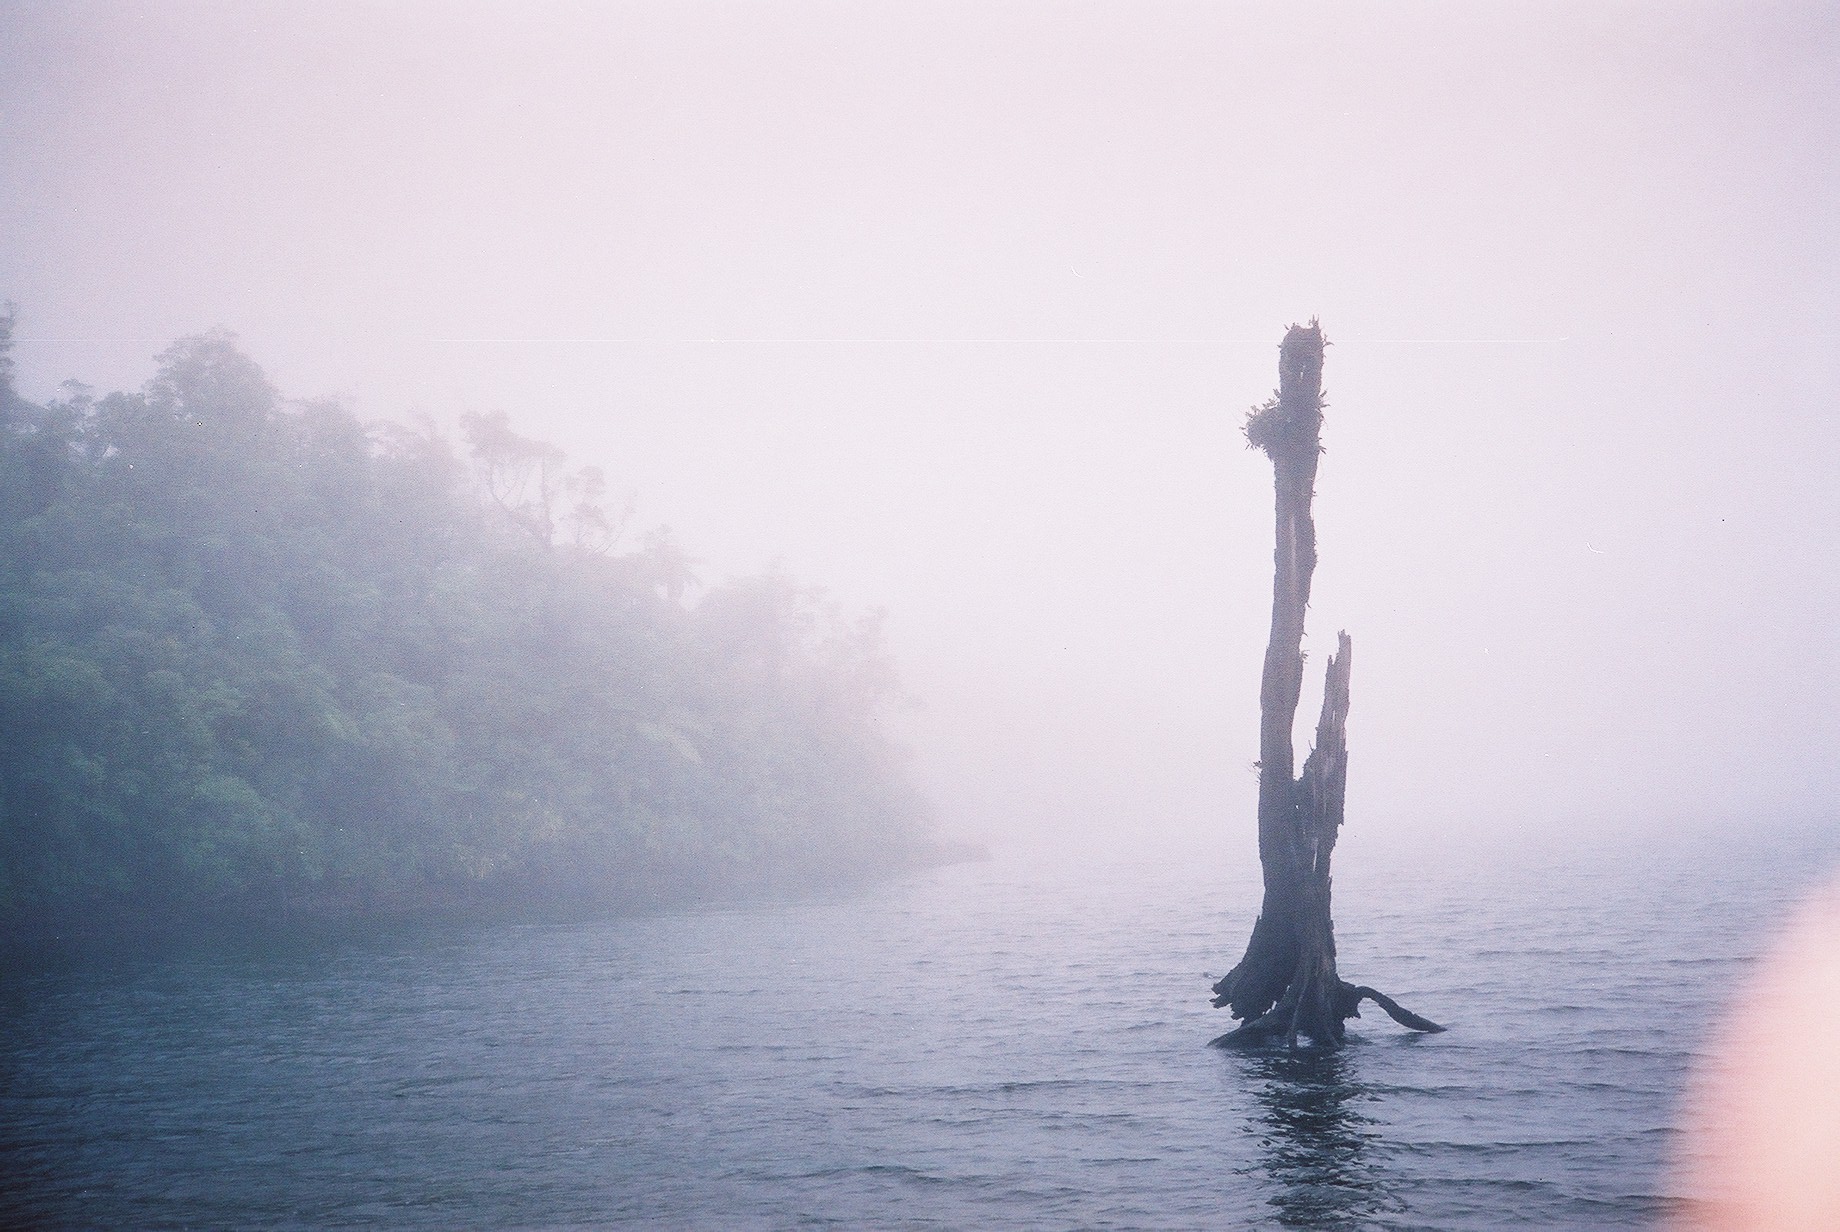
x=1286, y=985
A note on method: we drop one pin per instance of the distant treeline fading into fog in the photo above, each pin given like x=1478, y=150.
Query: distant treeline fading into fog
x=261, y=660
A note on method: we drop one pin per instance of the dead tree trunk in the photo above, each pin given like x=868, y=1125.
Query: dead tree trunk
x=1286, y=985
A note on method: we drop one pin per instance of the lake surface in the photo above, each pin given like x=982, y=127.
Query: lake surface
x=1016, y=1043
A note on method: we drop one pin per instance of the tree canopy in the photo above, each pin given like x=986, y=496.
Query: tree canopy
x=259, y=658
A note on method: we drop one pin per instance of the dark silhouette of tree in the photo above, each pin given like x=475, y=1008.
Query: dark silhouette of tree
x=1287, y=985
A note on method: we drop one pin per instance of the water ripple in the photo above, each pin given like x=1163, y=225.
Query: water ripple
x=1041, y=1065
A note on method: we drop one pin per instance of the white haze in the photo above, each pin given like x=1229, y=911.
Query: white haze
x=956, y=309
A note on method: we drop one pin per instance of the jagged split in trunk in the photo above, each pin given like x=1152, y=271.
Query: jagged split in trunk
x=1286, y=985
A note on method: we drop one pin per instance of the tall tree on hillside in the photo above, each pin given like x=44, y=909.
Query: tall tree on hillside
x=1287, y=985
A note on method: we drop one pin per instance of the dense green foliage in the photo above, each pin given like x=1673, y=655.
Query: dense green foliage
x=259, y=658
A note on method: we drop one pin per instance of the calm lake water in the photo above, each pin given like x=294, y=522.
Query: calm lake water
x=1016, y=1043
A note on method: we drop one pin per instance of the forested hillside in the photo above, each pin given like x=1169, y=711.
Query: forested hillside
x=258, y=658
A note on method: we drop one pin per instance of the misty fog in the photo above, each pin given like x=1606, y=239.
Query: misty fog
x=372, y=852
x=956, y=311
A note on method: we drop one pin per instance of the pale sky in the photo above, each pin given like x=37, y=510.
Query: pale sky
x=955, y=309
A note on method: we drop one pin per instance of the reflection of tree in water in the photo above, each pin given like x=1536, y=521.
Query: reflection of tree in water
x=1317, y=1146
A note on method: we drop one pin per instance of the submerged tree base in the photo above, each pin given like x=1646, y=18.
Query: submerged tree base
x=1284, y=1021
